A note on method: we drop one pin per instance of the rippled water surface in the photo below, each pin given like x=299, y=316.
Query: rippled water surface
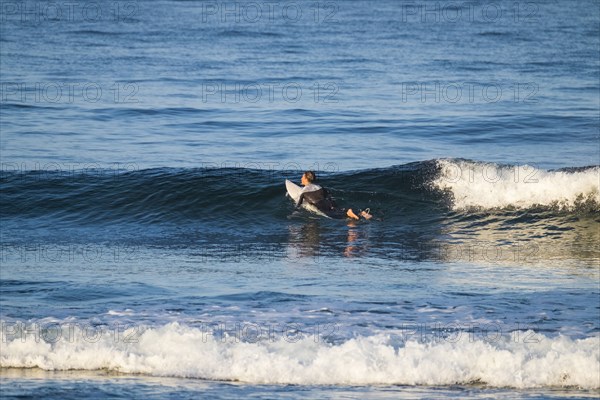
x=148, y=248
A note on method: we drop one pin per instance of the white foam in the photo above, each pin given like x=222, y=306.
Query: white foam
x=182, y=351
x=126, y=312
x=488, y=185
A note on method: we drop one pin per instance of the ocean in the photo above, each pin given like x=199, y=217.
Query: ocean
x=148, y=249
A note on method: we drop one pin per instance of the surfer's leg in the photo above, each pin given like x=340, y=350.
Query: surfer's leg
x=336, y=213
x=351, y=214
x=365, y=214
x=341, y=213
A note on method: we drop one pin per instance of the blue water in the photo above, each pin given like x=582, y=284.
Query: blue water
x=148, y=249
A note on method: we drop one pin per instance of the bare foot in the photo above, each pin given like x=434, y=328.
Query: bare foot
x=366, y=215
x=351, y=214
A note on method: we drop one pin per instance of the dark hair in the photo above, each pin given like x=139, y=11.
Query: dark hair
x=310, y=176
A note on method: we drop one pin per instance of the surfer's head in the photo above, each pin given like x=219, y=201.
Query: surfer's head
x=308, y=177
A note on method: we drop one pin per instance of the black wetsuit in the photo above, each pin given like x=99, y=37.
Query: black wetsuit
x=321, y=199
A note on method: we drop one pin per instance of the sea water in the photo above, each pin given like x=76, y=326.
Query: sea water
x=148, y=248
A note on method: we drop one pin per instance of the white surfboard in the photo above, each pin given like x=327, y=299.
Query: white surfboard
x=294, y=191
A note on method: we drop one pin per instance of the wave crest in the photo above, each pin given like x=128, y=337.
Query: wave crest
x=478, y=185
x=182, y=351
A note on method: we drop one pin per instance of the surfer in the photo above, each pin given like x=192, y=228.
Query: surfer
x=320, y=198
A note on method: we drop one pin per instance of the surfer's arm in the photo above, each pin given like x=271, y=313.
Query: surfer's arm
x=300, y=200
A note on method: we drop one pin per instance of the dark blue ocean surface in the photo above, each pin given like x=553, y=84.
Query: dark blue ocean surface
x=352, y=83
x=148, y=248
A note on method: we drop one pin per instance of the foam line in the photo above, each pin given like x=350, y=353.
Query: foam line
x=182, y=351
x=489, y=186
